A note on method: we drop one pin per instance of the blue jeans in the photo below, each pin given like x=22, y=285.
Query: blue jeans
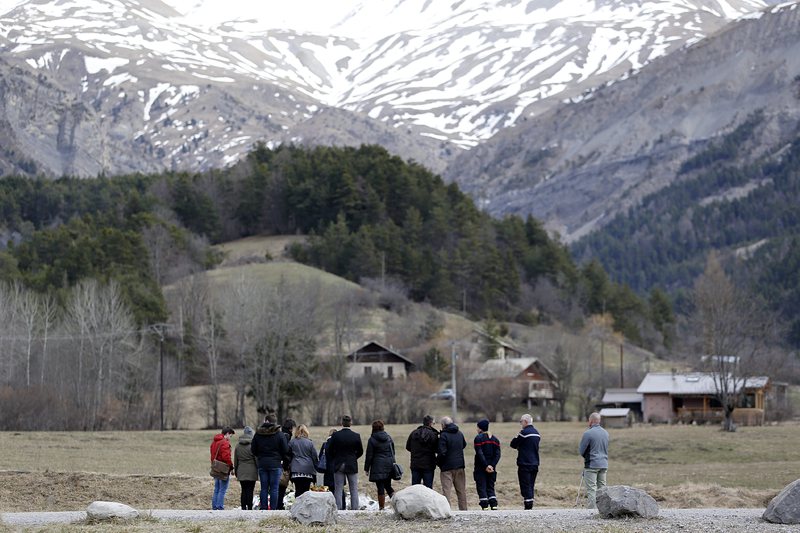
x=220, y=488
x=270, y=479
x=422, y=476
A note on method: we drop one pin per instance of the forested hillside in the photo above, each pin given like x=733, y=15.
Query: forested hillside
x=368, y=214
x=749, y=211
x=86, y=324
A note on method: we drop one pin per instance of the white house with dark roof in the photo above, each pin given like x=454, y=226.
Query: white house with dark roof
x=691, y=397
x=374, y=359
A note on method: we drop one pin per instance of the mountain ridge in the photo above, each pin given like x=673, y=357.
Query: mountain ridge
x=449, y=79
x=577, y=173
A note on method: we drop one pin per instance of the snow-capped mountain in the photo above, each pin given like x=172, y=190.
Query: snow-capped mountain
x=114, y=86
x=581, y=163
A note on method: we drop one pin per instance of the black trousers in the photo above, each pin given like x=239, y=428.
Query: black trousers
x=527, y=482
x=385, y=487
x=247, y=494
x=484, y=482
x=301, y=485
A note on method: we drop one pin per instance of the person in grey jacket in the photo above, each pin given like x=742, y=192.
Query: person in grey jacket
x=244, y=465
x=594, y=450
x=304, y=460
x=379, y=461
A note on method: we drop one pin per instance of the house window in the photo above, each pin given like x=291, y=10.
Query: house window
x=390, y=372
x=367, y=370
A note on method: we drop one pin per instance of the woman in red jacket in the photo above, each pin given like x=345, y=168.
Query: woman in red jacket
x=221, y=451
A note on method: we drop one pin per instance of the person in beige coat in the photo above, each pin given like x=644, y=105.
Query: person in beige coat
x=244, y=464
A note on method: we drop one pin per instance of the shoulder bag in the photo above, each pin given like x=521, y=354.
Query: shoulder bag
x=219, y=469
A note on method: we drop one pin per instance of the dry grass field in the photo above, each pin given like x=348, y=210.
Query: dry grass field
x=681, y=466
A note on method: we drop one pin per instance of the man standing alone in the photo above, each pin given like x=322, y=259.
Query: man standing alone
x=451, y=462
x=423, y=443
x=343, y=450
x=594, y=450
x=527, y=445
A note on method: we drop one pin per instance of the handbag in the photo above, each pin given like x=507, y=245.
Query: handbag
x=397, y=472
x=219, y=469
x=284, y=481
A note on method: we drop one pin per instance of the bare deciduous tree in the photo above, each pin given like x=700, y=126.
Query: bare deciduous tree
x=733, y=329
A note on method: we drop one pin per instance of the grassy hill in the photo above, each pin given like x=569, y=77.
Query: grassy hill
x=386, y=316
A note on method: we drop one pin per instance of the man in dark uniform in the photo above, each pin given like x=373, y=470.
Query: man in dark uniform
x=527, y=445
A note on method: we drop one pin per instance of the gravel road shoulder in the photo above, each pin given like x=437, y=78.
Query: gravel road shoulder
x=579, y=520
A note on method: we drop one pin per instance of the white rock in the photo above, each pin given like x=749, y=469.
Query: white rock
x=418, y=501
x=315, y=508
x=101, y=510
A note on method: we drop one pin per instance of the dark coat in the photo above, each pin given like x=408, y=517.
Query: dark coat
x=327, y=478
x=487, y=451
x=527, y=445
x=269, y=447
x=244, y=462
x=380, y=456
x=344, y=448
x=451, y=448
x=423, y=443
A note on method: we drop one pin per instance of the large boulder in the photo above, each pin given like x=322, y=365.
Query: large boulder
x=621, y=500
x=318, y=508
x=785, y=507
x=101, y=510
x=418, y=501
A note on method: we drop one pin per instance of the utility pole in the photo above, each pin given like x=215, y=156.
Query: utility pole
x=621, y=378
x=453, y=379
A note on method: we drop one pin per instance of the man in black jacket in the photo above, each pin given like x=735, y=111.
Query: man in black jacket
x=344, y=448
x=527, y=445
x=451, y=462
x=423, y=443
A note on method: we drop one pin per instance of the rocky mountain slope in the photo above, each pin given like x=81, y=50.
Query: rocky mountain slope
x=116, y=86
x=579, y=164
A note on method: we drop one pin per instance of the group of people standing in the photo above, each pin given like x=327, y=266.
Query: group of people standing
x=274, y=454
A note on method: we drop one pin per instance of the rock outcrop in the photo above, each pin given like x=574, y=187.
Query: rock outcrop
x=317, y=508
x=101, y=510
x=418, y=501
x=785, y=507
x=624, y=501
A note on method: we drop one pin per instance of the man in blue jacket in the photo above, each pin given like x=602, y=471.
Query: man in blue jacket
x=487, y=455
x=527, y=445
x=594, y=450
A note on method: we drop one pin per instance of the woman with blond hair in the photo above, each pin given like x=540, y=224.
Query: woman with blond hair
x=304, y=460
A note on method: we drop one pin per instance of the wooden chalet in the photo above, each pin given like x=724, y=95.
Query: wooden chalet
x=674, y=397
x=375, y=359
